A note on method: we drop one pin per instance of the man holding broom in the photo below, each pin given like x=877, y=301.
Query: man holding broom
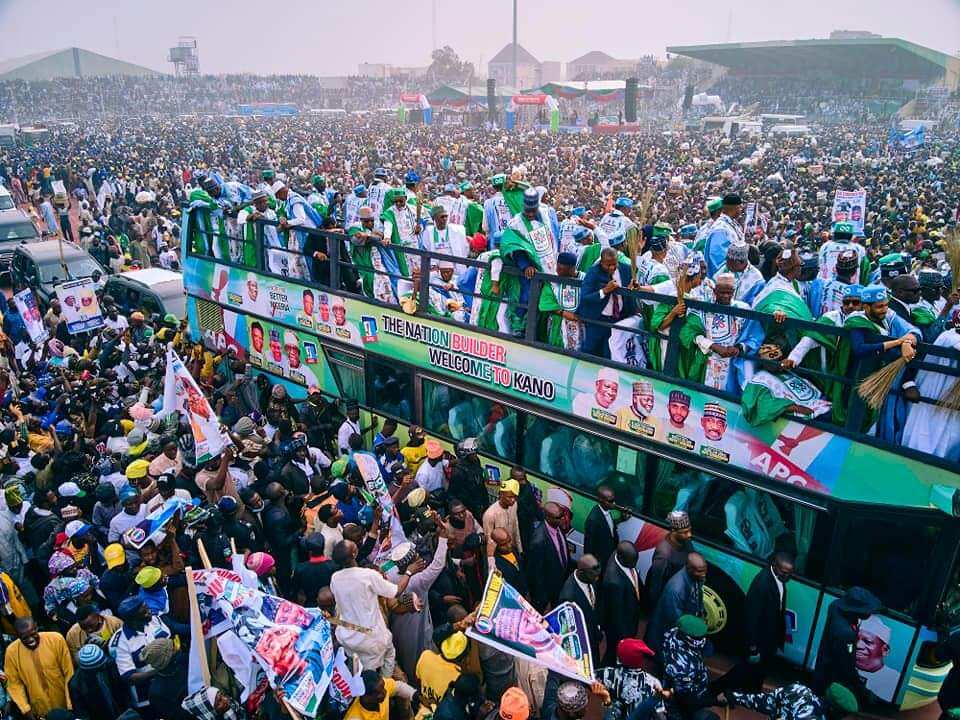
x=881, y=344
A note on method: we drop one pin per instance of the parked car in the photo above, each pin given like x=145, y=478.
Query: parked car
x=16, y=228
x=41, y=267
x=153, y=290
x=6, y=201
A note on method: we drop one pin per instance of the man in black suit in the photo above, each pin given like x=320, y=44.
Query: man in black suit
x=581, y=589
x=620, y=594
x=599, y=529
x=547, y=559
x=600, y=299
x=505, y=560
x=765, y=626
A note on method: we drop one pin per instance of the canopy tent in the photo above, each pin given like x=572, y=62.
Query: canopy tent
x=461, y=95
x=417, y=100
x=593, y=90
x=539, y=99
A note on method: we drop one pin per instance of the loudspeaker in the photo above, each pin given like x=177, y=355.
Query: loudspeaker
x=687, y=97
x=492, y=99
x=630, y=101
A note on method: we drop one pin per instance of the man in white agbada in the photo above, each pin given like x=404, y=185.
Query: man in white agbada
x=932, y=428
x=276, y=259
x=444, y=237
x=748, y=280
x=604, y=399
x=361, y=629
x=721, y=339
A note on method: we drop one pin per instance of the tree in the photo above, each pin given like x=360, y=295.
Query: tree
x=446, y=67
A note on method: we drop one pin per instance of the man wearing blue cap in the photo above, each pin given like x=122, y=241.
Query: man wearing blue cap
x=564, y=329
x=411, y=182
x=724, y=232
x=878, y=338
x=574, y=230
x=850, y=304
x=352, y=204
x=616, y=226
x=300, y=215
x=529, y=242
x=377, y=195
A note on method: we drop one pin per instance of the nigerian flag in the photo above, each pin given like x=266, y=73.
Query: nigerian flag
x=473, y=220
x=782, y=295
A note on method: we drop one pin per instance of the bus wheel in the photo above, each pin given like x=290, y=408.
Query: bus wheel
x=723, y=601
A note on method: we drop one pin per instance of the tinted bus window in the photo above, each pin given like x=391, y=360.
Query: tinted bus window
x=583, y=461
x=389, y=388
x=348, y=370
x=890, y=556
x=752, y=521
x=458, y=414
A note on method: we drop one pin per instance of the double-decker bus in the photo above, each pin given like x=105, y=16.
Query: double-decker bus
x=853, y=511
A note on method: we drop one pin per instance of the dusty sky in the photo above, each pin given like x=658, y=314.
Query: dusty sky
x=330, y=37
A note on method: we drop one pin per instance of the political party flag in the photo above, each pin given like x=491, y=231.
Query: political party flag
x=154, y=526
x=293, y=645
x=345, y=684
x=30, y=312
x=182, y=394
x=377, y=487
x=508, y=622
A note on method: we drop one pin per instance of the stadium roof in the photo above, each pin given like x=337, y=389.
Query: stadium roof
x=851, y=57
x=67, y=63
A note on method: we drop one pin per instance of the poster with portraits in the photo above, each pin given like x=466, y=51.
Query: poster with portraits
x=80, y=307
x=850, y=206
x=30, y=312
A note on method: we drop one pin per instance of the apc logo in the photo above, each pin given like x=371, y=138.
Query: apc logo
x=369, y=328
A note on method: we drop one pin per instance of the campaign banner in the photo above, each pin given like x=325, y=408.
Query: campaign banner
x=375, y=484
x=850, y=206
x=154, y=526
x=27, y=307
x=618, y=401
x=80, y=307
x=908, y=140
x=182, y=394
x=292, y=644
x=506, y=621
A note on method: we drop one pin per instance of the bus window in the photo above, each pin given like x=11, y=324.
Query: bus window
x=752, y=521
x=348, y=369
x=889, y=555
x=458, y=414
x=389, y=388
x=582, y=461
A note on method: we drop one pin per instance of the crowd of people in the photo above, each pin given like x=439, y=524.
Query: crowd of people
x=98, y=626
x=122, y=95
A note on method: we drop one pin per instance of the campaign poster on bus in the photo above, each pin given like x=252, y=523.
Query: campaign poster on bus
x=620, y=400
x=850, y=206
x=27, y=307
x=80, y=307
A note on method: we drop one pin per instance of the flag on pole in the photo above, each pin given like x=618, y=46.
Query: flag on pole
x=182, y=394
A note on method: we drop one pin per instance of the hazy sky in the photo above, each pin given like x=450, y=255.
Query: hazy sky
x=330, y=37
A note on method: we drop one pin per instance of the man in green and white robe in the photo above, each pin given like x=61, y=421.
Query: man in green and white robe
x=207, y=231
x=564, y=329
x=317, y=197
x=713, y=343
x=377, y=196
x=472, y=210
x=373, y=259
x=772, y=392
x=259, y=210
x=530, y=243
x=401, y=227
x=486, y=310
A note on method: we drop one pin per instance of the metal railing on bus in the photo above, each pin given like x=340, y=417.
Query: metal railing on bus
x=337, y=269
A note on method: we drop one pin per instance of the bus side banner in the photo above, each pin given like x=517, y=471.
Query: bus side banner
x=654, y=410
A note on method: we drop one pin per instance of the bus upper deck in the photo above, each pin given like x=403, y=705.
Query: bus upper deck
x=853, y=510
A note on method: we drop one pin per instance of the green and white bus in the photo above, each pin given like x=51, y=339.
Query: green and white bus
x=854, y=512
